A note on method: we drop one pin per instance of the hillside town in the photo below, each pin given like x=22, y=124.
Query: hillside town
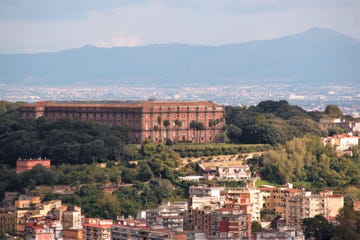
x=211, y=212
x=226, y=198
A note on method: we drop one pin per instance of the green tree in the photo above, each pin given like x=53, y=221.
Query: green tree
x=144, y=173
x=178, y=125
x=349, y=223
x=318, y=228
x=155, y=128
x=234, y=133
x=129, y=175
x=193, y=126
x=197, y=126
x=158, y=120
x=256, y=226
x=148, y=148
x=333, y=111
x=166, y=125
x=109, y=205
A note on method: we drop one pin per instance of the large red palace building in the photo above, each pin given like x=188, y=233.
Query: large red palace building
x=155, y=120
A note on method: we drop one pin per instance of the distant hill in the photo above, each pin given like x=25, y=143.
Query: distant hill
x=317, y=56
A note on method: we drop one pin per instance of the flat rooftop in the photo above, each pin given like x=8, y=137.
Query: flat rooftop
x=132, y=103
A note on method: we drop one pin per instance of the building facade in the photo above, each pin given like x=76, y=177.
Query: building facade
x=342, y=142
x=241, y=172
x=96, y=229
x=306, y=205
x=155, y=120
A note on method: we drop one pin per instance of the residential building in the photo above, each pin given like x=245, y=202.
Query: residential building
x=167, y=216
x=39, y=232
x=342, y=142
x=241, y=172
x=327, y=123
x=300, y=206
x=134, y=229
x=349, y=125
x=42, y=227
x=72, y=222
x=97, y=229
x=306, y=205
x=72, y=234
x=72, y=218
x=274, y=198
x=205, y=191
x=229, y=223
x=334, y=202
x=143, y=119
x=249, y=199
x=30, y=217
x=282, y=233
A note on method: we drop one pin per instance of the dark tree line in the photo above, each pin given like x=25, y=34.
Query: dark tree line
x=270, y=122
x=347, y=227
x=63, y=141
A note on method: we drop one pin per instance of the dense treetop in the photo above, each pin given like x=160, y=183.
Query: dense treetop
x=270, y=122
x=64, y=141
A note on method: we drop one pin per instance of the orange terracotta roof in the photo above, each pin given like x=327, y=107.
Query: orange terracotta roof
x=97, y=225
x=292, y=190
x=132, y=226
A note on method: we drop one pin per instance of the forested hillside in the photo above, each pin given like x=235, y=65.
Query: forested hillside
x=270, y=122
x=308, y=163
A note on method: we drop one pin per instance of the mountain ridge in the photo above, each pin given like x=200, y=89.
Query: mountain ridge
x=317, y=55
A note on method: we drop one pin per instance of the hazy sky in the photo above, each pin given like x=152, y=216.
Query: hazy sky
x=51, y=25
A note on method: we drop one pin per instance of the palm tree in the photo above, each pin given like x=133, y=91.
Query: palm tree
x=158, y=120
x=166, y=125
x=193, y=127
x=200, y=127
x=156, y=128
x=212, y=126
x=197, y=126
x=178, y=125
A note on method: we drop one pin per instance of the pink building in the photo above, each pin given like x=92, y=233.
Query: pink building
x=95, y=229
x=39, y=232
x=23, y=165
x=144, y=119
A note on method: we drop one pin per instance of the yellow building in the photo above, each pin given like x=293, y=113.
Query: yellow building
x=70, y=234
x=27, y=202
x=275, y=198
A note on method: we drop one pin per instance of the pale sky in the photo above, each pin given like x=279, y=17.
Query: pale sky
x=28, y=26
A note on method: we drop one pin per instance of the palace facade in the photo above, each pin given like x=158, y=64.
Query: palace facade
x=153, y=119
